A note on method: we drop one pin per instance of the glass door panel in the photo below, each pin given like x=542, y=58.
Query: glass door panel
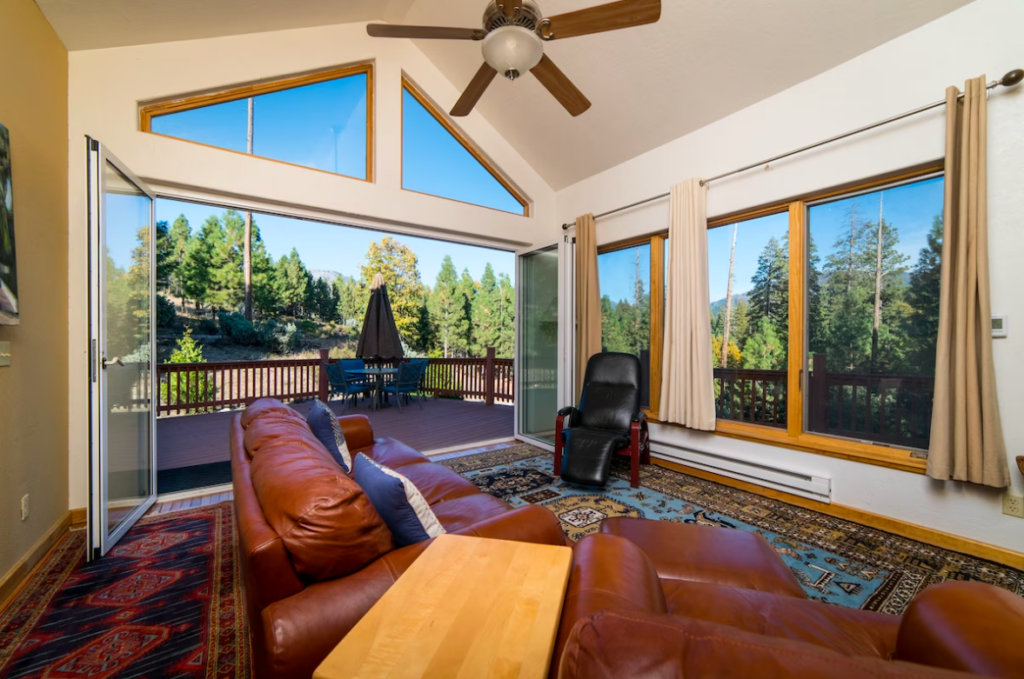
x=537, y=369
x=123, y=449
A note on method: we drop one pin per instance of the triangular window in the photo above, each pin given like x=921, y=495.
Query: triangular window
x=439, y=161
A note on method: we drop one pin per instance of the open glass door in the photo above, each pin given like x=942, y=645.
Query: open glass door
x=122, y=453
x=540, y=343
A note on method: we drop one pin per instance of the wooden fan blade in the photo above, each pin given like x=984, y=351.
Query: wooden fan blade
x=610, y=17
x=427, y=32
x=511, y=7
x=474, y=91
x=560, y=87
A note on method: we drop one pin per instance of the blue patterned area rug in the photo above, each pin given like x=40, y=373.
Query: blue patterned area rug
x=837, y=561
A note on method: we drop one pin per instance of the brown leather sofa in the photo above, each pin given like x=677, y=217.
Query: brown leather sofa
x=314, y=554
x=657, y=599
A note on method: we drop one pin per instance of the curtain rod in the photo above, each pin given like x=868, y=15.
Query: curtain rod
x=1009, y=80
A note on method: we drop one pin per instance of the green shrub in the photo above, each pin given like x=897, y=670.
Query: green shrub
x=279, y=337
x=207, y=326
x=166, y=314
x=200, y=386
x=239, y=329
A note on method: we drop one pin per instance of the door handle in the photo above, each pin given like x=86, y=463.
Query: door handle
x=114, y=360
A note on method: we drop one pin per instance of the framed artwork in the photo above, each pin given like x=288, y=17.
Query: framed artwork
x=8, y=261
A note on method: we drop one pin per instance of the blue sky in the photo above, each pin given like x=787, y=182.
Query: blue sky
x=342, y=248
x=910, y=208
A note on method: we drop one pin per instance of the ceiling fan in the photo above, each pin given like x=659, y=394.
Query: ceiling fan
x=513, y=38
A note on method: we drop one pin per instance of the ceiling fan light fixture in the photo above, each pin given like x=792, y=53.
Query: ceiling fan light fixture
x=512, y=50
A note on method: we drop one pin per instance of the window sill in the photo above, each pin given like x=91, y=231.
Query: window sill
x=882, y=456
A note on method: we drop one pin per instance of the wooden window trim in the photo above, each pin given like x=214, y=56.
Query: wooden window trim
x=440, y=117
x=150, y=110
x=657, y=322
x=793, y=436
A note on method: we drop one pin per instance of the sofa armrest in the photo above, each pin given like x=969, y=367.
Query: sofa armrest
x=608, y=573
x=300, y=631
x=622, y=643
x=965, y=626
x=523, y=524
x=358, y=431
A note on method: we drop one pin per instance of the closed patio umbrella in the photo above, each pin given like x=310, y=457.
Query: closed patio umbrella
x=379, y=338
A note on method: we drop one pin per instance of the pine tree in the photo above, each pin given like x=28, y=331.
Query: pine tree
x=293, y=284
x=764, y=349
x=922, y=325
x=467, y=288
x=769, y=297
x=163, y=256
x=448, y=311
x=227, y=264
x=179, y=237
x=264, y=297
x=196, y=277
x=485, y=315
x=506, y=314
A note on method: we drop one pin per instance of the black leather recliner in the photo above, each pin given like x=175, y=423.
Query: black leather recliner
x=607, y=421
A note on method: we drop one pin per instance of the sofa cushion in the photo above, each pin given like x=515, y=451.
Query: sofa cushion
x=631, y=643
x=327, y=524
x=724, y=556
x=400, y=504
x=845, y=630
x=438, y=483
x=463, y=512
x=324, y=425
x=392, y=453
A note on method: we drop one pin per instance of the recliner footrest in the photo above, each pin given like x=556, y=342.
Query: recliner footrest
x=588, y=455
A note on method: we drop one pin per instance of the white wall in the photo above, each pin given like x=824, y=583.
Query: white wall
x=981, y=38
x=105, y=87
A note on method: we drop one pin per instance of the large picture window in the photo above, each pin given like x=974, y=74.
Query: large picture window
x=631, y=315
x=824, y=317
x=319, y=121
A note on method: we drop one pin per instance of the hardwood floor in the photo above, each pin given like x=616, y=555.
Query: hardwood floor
x=442, y=424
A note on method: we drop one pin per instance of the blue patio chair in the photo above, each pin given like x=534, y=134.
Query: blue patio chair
x=339, y=384
x=406, y=383
x=422, y=363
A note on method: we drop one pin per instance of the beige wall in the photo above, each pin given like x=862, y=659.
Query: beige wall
x=33, y=391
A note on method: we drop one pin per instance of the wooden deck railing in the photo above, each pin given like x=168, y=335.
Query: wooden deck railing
x=207, y=387
x=885, y=408
x=757, y=396
x=882, y=408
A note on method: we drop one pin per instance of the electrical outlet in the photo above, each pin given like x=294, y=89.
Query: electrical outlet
x=1013, y=505
x=24, y=508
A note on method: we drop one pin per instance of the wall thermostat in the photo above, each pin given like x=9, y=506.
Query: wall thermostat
x=1000, y=326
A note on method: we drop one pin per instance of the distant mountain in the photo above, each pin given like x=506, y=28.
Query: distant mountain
x=329, y=276
x=736, y=299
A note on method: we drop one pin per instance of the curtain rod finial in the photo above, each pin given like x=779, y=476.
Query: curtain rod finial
x=1012, y=78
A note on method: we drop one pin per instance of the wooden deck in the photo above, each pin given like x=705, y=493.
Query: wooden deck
x=201, y=439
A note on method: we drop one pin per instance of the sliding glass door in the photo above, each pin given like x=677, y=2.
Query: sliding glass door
x=122, y=446
x=540, y=339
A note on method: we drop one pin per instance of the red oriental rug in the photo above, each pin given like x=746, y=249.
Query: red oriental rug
x=164, y=603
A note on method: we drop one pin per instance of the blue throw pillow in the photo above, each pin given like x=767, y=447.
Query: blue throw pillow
x=326, y=428
x=398, y=501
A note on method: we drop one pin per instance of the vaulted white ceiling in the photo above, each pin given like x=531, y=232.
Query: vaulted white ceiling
x=704, y=59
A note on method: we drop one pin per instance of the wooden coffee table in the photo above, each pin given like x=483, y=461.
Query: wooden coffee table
x=468, y=607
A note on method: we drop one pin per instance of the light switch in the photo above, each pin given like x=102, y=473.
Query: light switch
x=5, y=354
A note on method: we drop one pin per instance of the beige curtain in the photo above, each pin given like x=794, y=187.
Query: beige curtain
x=687, y=378
x=588, y=297
x=966, y=437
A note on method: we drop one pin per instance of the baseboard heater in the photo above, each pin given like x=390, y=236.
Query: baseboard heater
x=788, y=481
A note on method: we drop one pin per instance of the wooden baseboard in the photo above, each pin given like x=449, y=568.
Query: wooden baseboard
x=930, y=536
x=79, y=516
x=15, y=579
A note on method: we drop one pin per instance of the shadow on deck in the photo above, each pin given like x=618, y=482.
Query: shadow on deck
x=200, y=440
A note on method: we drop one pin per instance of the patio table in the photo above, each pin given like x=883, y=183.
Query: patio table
x=378, y=375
